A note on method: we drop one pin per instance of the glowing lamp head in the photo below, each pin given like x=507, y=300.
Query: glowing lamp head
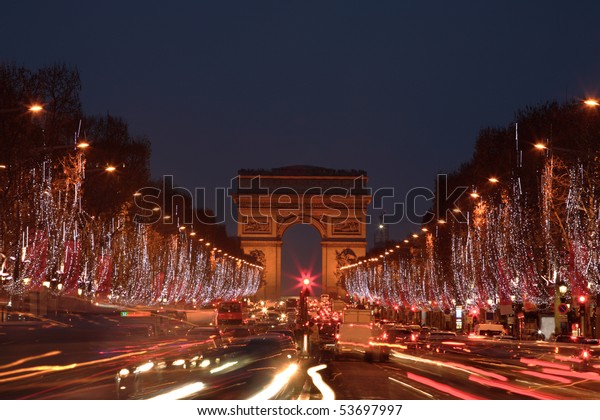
x=36, y=108
x=306, y=282
x=540, y=146
x=592, y=102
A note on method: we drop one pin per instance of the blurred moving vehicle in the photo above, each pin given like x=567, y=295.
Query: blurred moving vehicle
x=442, y=341
x=206, y=335
x=238, y=331
x=358, y=336
x=402, y=338
x=230, y=313
x=573, y=339
x=583, y=353
x=490, y=330
x=205, y=371
x=327, y=335
x=202, y=317
x=284, y=331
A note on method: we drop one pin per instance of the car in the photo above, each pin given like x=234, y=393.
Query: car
x=402, y=338
x=205, y=335
x=327, y=335
x=584, y=352
x=364, y=340
x=283, y=331
x=442, y=335
x=272, y=345
x=572, y=339
x=441, y=340
x=238, y=331
x=159, y=370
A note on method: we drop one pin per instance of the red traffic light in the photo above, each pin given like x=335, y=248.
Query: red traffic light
x=582, y=299
x=306, y=282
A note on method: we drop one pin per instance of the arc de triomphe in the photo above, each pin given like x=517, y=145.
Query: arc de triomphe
x=333, y=201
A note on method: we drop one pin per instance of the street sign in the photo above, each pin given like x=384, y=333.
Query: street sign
x=563, y=308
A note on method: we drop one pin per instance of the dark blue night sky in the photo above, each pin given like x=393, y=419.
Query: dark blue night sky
x=397, y=88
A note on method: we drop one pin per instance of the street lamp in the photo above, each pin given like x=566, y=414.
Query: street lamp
x=562, y=289
x=591, y=102
x=34, y=108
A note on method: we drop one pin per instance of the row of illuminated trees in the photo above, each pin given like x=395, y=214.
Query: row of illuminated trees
x=67, y=208
x=527, y=223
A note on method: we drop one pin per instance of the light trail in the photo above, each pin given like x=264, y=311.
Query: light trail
x=442, y=387
x=590, y=376
x=511, y=388
x=410, y=387
x=40, y=370
x=536, y=362
x=546, y=376
x=179, y=393
x=27, y=359
x=276, y=385
x=323, y=388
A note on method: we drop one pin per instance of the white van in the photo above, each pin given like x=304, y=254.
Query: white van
x=490, y=330
x=356, y=340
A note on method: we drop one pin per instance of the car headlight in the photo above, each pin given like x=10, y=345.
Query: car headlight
x=144, y=368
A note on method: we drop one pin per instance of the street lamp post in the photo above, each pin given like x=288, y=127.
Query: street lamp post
x=582, y=301
x=560, y=290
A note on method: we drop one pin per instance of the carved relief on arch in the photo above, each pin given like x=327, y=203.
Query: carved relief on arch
x=346, y=226
x=343, y=258
x=257, y=225
x=260, y=258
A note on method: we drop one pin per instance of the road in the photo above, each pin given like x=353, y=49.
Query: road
x=82, y=361
x=484, y=371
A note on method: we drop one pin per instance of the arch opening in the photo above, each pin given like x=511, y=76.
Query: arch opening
x=301, y=258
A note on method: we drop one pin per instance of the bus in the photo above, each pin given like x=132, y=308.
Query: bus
x=230, y=313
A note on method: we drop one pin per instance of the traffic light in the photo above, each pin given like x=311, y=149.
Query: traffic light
x=582, y=300
x=582, y=310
